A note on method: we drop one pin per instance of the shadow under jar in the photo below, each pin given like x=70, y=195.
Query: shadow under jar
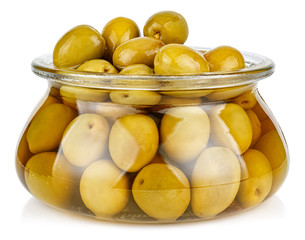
x=152, y=149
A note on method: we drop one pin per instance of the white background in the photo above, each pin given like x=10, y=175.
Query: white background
x=273, y=28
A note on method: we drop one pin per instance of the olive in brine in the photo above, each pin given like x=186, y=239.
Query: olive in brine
x=135, y=97
x=272, y=146
x=256, y=126
x=141, y=50
x=228, y=93
x=184, y=133
x=177, y=59
x=85, y=139
x=117, y=31
x=256, y=176
x=246, y=100
x=231, y=127
x=112, y=111
x=215, y=181
x=78, y=45
x=51, y=178
x=169, y=26
x=162, y=191
x=71, y=95
x=47, y=127
x=133, y=141
x=104, y=188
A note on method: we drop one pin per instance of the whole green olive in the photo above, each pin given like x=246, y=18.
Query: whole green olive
x=117, y=31
x=224, y=58
x=137, y=69
x=80, y=44
x=169, y=26
x=137, y=50
x=135, y=97
x=97, y=65
x=177, y=59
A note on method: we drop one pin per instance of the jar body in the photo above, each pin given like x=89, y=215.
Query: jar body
x=152, y=156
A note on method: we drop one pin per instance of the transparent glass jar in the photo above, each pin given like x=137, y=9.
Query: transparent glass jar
x=152, y=148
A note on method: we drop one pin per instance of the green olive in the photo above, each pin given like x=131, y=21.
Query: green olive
x=138, y=50
x=78, y=45
x=133, y=141
x=104, y=188
x=228, y=92
x=170, y=101
x=138, y=69
x=177, y=59
x=97, y=65
x=117, y=31
x=184, y=133
x=112, y=111
x=169, y=26
x=135, y=97
x=162, y=191
x=51, y=178
x=224, y=58
x=215, y=181
x=71, y=95
x=231, y=127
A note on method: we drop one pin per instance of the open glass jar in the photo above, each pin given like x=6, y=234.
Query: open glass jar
x=152, y=148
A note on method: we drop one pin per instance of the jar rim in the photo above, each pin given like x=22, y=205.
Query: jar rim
x=257, y=67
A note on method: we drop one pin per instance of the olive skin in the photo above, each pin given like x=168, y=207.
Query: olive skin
x=272, y=146
x=231, y=127
x=52, y=179
x=168, y=26
x=117, y=31
x=256, y=178
x=133, y=141
x=256, y=126
x=80, y=44
x=47, y=127
x=97, y=65
x=184, y=133
x=162, y=191
x=85, y=139
x=177, y=59
x=137, y=69
x=141, y=50
x=104, y=188
x=135, y=97
x=224, y=58
x=215, y=181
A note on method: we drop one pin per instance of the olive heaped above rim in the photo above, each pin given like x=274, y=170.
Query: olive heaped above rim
x=168, y=26
x=141, y=50
x=257, y=67
x=178, y=59
x=137, y=69
x=117, y=31
x=80, y=44
x=224, y=58
x=97, y=65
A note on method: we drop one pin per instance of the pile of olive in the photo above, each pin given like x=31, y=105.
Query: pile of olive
x=119, y=48
x=134, y=153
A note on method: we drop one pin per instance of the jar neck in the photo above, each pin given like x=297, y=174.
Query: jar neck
x=100, y=95
x=257, y=68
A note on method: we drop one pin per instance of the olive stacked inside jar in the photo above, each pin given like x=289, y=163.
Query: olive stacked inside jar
x=144, y=155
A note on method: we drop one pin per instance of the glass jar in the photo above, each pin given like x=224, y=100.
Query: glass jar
x=152, y=148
